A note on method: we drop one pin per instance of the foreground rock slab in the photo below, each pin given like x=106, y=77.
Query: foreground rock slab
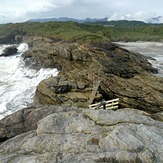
x=92, y=136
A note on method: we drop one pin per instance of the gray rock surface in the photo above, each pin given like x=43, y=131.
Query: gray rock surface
x=74, y=135
x=25, y=120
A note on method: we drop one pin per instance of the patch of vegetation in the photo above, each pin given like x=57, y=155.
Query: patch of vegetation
x=99, y=32
x=69, y=31
x=127, y=31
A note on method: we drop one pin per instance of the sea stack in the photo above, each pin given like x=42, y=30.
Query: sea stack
x=9, y=51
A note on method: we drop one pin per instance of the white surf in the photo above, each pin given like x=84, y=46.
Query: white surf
x=17, y=82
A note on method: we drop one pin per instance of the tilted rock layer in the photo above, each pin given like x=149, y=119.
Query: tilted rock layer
x=84, y=135
x=89, y=74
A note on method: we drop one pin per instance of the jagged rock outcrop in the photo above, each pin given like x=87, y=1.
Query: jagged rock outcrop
x=9, y=51
x=120, y=73
x=84, y=135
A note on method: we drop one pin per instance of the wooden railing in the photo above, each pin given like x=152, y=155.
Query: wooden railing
x=111, y=104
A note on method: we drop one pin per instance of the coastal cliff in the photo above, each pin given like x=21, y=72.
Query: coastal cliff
x=59, y=127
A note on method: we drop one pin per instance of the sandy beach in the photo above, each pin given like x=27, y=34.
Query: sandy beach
x=152, y=49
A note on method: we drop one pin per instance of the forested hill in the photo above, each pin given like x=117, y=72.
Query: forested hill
x=103, y=21
x=101, y=31
x=121, y=23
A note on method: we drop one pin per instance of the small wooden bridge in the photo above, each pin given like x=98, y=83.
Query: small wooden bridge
x=111, y=104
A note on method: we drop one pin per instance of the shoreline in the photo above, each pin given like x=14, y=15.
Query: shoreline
x=145, y=48
x=150, y=49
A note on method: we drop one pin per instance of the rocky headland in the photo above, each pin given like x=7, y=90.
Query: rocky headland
x=114, y=73
x=59, y=127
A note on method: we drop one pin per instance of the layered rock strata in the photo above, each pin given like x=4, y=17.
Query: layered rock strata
x=89, y=74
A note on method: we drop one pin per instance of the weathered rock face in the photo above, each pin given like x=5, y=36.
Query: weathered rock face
x=25, y=120
x=84, y=135
x=92, y=73
x=9, y=51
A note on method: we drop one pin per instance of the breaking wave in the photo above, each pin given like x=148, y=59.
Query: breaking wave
x=17, y=82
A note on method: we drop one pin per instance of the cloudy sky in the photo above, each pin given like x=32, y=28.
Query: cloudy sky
x=22, y=10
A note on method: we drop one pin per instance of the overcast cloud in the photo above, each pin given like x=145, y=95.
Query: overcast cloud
x=22, y=10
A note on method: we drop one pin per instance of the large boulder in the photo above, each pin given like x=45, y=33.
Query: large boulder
x=88, y=136
x=89, y=74
x=9, y=51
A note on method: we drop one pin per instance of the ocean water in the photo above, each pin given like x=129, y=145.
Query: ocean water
x=17, y=82
x=149, y=49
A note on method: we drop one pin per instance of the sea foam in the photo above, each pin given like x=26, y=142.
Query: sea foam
x=17, y=82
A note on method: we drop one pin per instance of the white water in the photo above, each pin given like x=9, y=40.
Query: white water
x=18, y=83
x=150, y=49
